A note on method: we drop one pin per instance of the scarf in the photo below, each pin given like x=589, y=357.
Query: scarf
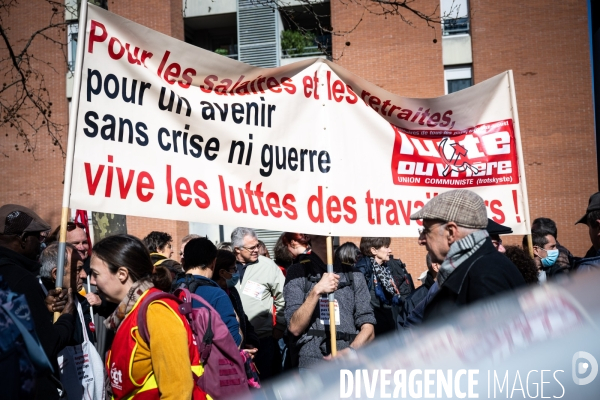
x=137, y=290
x=384, y=276
x=459, y=252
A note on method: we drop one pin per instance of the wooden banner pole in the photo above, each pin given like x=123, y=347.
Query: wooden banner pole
x=331, y=298
x=60, y=265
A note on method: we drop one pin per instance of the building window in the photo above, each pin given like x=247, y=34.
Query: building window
x=455, y=17
x=458, y=78
x=72, y=32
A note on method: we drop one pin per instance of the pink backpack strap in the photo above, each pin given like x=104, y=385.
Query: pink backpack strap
x=142, y=321
x=205, y=342
x=186, y=297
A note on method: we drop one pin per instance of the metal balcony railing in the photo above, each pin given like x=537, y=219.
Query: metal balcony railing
x=455, y=26
x=306, y=52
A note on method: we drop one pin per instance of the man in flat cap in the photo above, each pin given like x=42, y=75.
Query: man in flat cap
x=591, y=261
x=454, y=233
x=21, y=233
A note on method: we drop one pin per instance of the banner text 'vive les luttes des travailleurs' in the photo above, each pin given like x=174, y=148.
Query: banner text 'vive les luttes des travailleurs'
x=168, y=130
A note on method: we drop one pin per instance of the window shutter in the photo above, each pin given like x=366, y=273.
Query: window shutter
x=258, y=34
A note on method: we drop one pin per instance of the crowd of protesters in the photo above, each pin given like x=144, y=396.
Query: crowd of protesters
x=271, y=309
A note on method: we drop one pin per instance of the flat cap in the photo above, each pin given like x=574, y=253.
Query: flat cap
x=464, y=207
x=16, y=219
x=593, y=205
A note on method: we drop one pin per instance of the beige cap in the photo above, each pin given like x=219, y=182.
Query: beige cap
x=464, y=207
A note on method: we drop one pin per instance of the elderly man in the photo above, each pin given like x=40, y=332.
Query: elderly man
x=48, y=260
x=261, y=287
x=454, y=233
x=48, y=267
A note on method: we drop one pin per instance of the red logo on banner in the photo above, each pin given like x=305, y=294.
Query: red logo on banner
x=484, y=155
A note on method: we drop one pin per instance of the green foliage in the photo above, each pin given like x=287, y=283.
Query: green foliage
x=294, y=42
x=221, y=52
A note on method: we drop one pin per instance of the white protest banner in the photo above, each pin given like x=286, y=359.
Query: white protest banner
x=168, y=130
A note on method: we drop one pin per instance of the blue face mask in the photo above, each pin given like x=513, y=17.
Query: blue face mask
x=550, y=259
x=231, y=282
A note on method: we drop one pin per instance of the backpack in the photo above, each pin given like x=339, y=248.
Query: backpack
x=22, y=357
x=406, y=285
x=224, y=371
x=189, y=283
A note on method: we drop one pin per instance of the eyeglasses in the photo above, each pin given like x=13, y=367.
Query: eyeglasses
x=251, y=249
x=426, y=231
x=497, y=243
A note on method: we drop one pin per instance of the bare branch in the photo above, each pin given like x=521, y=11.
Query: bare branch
x=25, y=106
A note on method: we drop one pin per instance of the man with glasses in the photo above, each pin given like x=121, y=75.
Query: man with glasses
x=22, y=232
x=471, y=269
x=260, y=287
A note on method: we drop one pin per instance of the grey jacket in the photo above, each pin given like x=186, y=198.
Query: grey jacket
x=354, y=306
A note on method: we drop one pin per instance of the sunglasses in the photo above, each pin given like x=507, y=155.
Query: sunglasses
x=41, y=236
x=72, y=225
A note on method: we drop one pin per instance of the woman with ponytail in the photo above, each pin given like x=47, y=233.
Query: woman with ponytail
x=167, y=366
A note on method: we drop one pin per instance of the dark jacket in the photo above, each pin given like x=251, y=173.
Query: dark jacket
x=591, y=262
x=415, y=317
x=15, y=270
x=386, y=313
x=486, y=273
x=408, y=313
x=250, y=336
